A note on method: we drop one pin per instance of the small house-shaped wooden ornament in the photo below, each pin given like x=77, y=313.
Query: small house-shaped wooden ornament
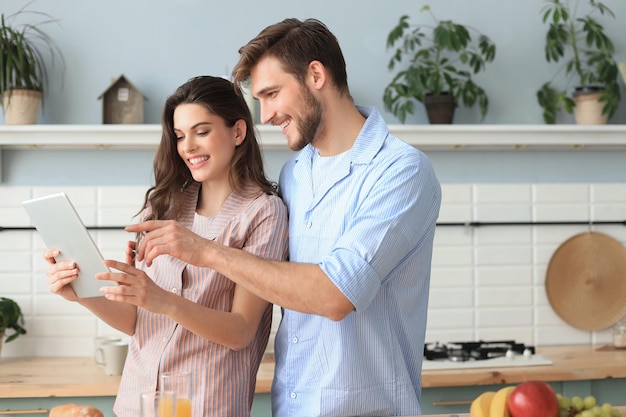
x=122, y=103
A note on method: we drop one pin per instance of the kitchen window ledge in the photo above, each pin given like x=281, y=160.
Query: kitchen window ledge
x=425, y=137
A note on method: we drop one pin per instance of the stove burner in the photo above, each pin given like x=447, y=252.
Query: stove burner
x=466, y=351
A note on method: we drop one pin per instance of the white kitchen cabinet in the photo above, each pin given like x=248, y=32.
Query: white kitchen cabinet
x=261, y=407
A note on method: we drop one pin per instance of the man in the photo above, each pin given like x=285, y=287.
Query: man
x=362, y=212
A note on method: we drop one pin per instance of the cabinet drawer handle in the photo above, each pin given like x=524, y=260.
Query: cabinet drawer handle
x=454, y=402
x=22, y=412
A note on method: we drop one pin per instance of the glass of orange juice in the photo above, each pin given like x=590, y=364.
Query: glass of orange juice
x=180, y=383
x=158, y=404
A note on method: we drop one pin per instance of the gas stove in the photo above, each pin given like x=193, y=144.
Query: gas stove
x=481, y=354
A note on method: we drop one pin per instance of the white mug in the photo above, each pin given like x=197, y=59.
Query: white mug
x=112, y=355
x=99, y=341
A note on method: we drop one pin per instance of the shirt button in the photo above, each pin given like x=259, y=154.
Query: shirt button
x=293, y=395
x=174, y=290
x=308, y=225
x=294, y=340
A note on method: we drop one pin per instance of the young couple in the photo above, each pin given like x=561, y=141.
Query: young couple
x=352, y=277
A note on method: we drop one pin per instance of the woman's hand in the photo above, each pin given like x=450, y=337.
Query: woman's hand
x=135, y=287
x=60, y=275
x=131, y=251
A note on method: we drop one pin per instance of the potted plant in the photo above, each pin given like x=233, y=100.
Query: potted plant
x=23, y=72
x=11, y=318
x=575, y=35
x=441, y=61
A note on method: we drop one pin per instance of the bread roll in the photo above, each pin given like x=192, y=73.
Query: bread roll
x=75, y=410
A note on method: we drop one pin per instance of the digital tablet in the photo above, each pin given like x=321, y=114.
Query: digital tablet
x=61, y=228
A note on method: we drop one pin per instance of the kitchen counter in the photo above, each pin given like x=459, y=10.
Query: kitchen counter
x=570, y=363
x=54, y=377
x=72, y=377
x=75, y=377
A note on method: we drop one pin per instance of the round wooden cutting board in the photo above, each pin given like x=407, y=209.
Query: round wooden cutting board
x=586, y=281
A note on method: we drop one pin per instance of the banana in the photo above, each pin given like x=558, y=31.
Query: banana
x=498, y=406
x=481, y=405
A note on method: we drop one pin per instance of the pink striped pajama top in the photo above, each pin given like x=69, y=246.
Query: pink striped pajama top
x=223, y=379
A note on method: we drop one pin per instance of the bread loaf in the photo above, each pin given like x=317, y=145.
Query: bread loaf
x=75, y=410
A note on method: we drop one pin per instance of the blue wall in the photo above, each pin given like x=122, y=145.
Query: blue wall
x=160, y=44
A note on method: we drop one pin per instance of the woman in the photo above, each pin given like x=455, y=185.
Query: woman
x=209, y=177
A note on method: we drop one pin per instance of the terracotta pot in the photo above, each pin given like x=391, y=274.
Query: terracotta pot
x=21, y=107
x=440, y=108
x=588, y=110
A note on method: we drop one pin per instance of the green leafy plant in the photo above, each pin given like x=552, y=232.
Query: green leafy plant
x=577, y=37
x=22, y=63
x=11, y=318
x=441, y=59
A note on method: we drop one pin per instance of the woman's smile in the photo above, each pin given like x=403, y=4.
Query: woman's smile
x=198, y=161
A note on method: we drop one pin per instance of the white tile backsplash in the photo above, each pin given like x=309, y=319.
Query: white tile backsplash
x=450, y=318
x=487, y=282
x=502, y=193
x=562, y=212
x=488, y=235
x=502, y=212
x=443, y=277
x=13, y=196
x=452, y=256
x=15, y=261
x=15, y=283
x=608, y=211
x=503, y=297
x=608, y=193
x=561, y=193
x=15, y=240
x=508, y=317
x=504, y=276
x=453, y=194
x=503, y=255
x=455, y=213
x=445, y=297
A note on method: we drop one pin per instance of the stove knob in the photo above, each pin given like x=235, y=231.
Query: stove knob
x=527, y=353
x=510, y=354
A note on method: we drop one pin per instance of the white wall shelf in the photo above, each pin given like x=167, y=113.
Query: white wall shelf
x=424, y=137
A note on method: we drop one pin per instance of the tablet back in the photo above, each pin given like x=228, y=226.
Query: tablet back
x=60, y=227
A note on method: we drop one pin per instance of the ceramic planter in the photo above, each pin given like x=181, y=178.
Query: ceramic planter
x=588, y=110
x=21, y=107
x=440, y=108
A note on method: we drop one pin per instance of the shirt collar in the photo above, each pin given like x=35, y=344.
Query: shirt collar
x=368, y=142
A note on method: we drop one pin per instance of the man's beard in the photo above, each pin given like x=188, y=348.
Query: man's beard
x=309, y=125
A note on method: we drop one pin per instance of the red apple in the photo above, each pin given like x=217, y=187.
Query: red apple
x=533, y=399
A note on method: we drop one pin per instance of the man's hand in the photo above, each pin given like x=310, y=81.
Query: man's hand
x=168, y=237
